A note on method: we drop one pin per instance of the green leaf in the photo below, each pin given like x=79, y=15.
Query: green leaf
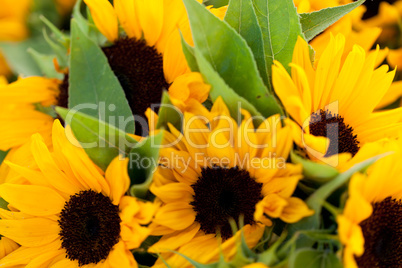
x=314, y=172
x=61, y=37
x=168, y=113
x=19, y=59
x=3, y=204
x=216, y=3
x=189, y=54
x=313, y=258
x=59, y=49
x=315, y=22
x=82, y=22
x=230, y=57
x=220, y=89
x=270, y=255
x=45, y=63
x=101, y=141
x=93, y=84
x=280, y=27
x=316, y=200
x=143, y=161
x=3, y=155
x=241, y=16
x=42, y=8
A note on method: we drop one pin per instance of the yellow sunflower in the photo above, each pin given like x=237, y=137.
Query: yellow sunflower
x=336, y=100
x=20, y=115
x=370, y=226
x=217, y=170
x=362, y=36
x=148, y=58
x=68, y=213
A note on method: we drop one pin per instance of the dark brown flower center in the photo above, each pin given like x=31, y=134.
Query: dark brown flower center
x=139, y=69
x=221, y=194
x=382, y=233
x=332, y=126
x=90, y=227
x=62, y=98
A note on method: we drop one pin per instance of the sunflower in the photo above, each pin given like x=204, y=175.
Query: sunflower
x=21, y=109
x=362, y=36
x=216, y=171
x=370, y=226
x=68, y=213
x=148, y=58
x=336, y=100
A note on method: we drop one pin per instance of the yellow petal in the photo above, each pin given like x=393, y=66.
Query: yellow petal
x=121, y=257
x=126, y=12
x=32, y=232
x=55, y=176
x=295, y=210
x=7, y=246
x=177, y=216
x=32, y=199
x=23, y=255
x=174, y=61
x=272, y=205
x=104, y=17
x=117, y=177
x=173, y=192
x=151, y=15
x=45, y=258
x=176, y=239
x=394, y=93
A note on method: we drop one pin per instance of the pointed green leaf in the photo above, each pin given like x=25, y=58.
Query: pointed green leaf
x=241, y=16
x=216, y=3
x=45, y=63
x=61, y=37
x=19, y=59
x=313, y=258
x=40, y=8
x=60, y=50
x=280, y=27
x=3, y=204
x=219, y=88
x=143, y=161
x=93, y=85
x=189, y=54
x=82, y=22
x=315, y=201
x=314, y=172
x=168, y=113
x=315, y=22
x=270, y=255
x=230, y=57
x=101, y=141
x=3, y=155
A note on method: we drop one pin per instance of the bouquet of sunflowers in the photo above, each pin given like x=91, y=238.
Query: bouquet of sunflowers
x=182, y=133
